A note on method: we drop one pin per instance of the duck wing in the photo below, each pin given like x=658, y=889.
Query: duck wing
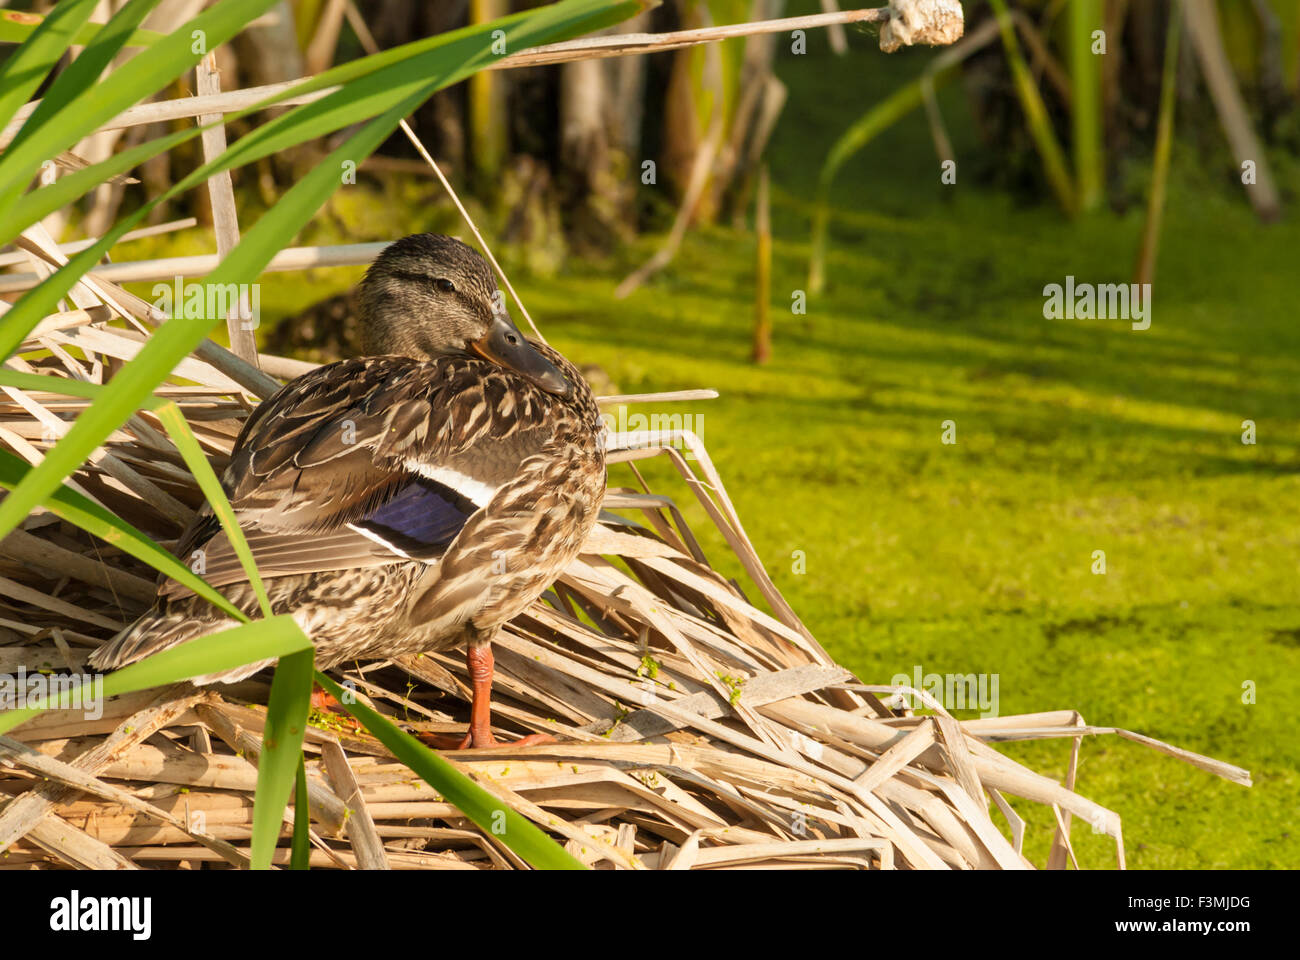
x=367, y=462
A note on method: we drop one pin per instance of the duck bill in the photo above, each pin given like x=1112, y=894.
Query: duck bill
x=505, y=345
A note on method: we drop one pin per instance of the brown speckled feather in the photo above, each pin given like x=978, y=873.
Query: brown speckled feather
x=340, y=443
x=337, y=442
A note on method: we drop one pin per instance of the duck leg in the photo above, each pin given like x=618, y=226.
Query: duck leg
x=325, y=702
x=478, y=656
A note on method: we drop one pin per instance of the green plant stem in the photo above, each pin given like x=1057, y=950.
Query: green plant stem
x=1145, y=270
x=1085, y=99
x=1040, y=125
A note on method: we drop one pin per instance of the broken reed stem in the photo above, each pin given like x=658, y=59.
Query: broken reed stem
x=166, y=268
x=624, y=44
x=671, y=396
x=76, y=246
x=1202, y=20
x=835, y=31
x=225, y=218
x=763, y=279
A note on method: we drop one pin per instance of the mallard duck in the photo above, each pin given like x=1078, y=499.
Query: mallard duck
x=409, y=500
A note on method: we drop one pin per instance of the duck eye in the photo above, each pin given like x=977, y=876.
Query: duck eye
x=445, y=285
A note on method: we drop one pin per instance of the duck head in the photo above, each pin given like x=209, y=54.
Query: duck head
x=428, y=296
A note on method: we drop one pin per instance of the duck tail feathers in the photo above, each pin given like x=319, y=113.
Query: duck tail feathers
x=160, y=630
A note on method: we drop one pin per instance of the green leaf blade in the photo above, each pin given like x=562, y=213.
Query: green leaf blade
x=179, y=430
x=277, y=767
x=300, y=855
x=31, y=63
x=129, y=84
x=67, y=504
x=214, y=653
x=85, y=71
